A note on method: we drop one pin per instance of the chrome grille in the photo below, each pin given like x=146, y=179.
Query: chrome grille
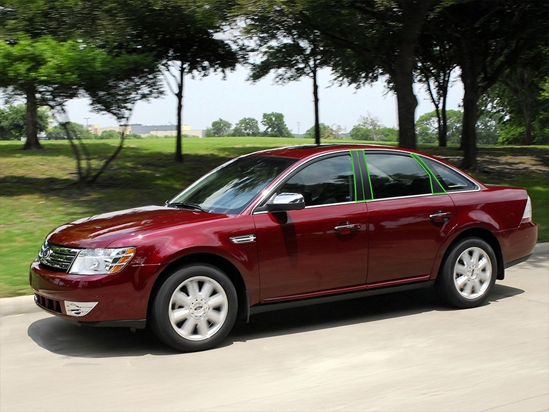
x=57, y=257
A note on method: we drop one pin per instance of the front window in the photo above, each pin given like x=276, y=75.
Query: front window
x=230, y=188
x=324, y=182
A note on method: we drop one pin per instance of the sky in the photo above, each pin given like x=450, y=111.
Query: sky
x=211, y=98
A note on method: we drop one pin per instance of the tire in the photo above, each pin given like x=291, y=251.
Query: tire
x=468, y=274
x=194, y=309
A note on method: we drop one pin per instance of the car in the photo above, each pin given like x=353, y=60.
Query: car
x=280, y=228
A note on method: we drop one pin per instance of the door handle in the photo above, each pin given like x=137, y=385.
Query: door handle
x=439, y=216
x=346, y=228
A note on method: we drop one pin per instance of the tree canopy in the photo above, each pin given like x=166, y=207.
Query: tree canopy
x=45, y=59
x=275, y=125
x=13, y=122
x=115, y=52
x=219, y=128
x=248, y=126
x=183, y=35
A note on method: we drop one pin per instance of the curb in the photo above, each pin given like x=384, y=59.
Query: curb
x=25, y=304
x=18, y=306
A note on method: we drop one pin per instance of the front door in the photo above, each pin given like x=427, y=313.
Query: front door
x=320, y=248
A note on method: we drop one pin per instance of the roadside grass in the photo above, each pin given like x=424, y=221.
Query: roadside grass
x=39, y=189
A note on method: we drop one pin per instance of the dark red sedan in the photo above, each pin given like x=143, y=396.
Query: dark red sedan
x=285, y=227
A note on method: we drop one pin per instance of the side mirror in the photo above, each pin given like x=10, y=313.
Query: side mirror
x=286, y=201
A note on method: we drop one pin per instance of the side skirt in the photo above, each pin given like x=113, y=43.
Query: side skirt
x=334, y=298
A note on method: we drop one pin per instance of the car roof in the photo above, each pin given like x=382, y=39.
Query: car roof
x=305, y=151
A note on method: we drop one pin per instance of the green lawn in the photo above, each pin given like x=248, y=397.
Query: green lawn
x=38, y=189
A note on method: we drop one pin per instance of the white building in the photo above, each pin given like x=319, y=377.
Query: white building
x=154, y=130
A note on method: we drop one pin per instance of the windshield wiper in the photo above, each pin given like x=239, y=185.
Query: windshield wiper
x=183, y=205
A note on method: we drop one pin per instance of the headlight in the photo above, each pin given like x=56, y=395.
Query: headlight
x=101, y=261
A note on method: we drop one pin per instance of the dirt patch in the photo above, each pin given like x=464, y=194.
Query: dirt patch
x=505, y=165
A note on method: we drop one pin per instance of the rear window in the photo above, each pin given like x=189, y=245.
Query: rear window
x=394, y=175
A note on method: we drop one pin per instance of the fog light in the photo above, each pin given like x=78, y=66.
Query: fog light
x=79, y=308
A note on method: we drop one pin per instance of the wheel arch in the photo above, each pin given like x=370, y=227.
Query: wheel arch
x=213, y=260
x=485, y=235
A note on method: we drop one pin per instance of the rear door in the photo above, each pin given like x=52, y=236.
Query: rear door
x=409, y=217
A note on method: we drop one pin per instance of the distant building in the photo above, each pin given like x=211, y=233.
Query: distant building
x=155, y=130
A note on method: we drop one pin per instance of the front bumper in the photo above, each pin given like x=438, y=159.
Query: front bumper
x=109, y=299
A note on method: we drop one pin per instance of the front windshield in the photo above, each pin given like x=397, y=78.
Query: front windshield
x=230, y=188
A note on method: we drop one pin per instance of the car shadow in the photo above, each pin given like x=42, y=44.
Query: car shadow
x=349, y=312
x=67, y=339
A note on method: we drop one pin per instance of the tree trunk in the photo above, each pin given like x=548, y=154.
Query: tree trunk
x=526, y=96
x=414, y=13
x=470, y=117
x=111, y=157
x=407, y=104
x=32, y=120
x=528, y=136
x=471, y=93
x=316, y=102
x=443, y=132
x=179, y=97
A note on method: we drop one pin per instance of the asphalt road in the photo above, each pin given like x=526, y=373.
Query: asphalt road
x=400, y=352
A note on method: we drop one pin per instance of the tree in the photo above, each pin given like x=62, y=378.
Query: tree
x=368, y=128
x=275, y=126
x=219, y=128
x=33, y=69
x=46, y=59
x=489, y=37
x=51, y=54
x=370, y=38
x=36, y=56
x=436, y=61
x=516, y=99
x=58, y=132
x=428, y=127
x=110, y=134
x=389, y=134
x=287, y=44
x=77, y=131
x=247, y=126
x=185, y=37
x=326, y=132
x=13, y=121
x=488, y=129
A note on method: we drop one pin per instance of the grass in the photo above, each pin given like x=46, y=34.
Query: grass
x=39, y=190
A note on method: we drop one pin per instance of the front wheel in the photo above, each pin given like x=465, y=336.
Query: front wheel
x=468, y=274
x=194, y=309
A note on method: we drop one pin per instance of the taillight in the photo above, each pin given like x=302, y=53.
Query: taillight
x=527, y=215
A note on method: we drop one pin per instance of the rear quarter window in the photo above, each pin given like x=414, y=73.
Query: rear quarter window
x=451, y=180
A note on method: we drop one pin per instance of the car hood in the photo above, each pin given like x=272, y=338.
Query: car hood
x=101, y=230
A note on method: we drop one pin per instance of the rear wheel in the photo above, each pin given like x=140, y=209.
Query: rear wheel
x=468, y=273
x=194, y=309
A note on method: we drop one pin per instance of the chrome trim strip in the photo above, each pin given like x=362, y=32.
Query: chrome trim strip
x=243, y=239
